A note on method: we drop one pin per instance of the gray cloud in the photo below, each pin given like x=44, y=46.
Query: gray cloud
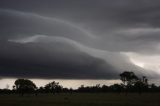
x=76, y=39
x=59, y=61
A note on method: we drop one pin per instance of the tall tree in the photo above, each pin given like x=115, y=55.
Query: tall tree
x=128, y=79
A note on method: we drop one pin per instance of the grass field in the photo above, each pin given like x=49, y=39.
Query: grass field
x=77, y=99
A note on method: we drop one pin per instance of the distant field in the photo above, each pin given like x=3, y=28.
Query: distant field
x=98, y=99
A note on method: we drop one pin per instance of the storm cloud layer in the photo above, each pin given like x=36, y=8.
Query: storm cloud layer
x=79, y=39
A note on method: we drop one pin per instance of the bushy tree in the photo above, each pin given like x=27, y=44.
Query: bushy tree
x=24, y=86
x=128, y=78
x=53, y=87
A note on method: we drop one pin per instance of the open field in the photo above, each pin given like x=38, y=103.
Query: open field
x=82, y=99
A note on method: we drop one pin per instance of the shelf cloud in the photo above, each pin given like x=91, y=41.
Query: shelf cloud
x=91, y=39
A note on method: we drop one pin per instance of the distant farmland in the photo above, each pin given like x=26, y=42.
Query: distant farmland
x=82, y=99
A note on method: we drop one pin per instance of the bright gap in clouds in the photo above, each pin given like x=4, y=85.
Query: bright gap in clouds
x=146, y=62
x=137, y=63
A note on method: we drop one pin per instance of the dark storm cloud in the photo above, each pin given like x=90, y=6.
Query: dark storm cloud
x=63, y=61
x=75, y=38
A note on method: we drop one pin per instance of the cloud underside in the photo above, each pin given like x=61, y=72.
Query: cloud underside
x=51, y=60
x=66, y=42
x=42, y=56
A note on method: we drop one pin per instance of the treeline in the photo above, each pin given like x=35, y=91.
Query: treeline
x=130, y=84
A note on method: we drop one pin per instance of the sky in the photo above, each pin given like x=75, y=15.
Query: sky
x=79, y=39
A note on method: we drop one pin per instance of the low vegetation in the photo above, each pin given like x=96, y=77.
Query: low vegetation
x=133, y=91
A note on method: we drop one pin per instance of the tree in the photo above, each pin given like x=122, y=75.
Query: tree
x=53, y=87
x=24, y=86
x=128, y=79
x=153, y=87
x=116, y=88
x=145, y=80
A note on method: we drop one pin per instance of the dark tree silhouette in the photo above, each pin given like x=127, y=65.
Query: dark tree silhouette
x=53, y=87
x=116, y=88
x=128, y=79
x=153, y=88
x=24, y=86
x=131, y=83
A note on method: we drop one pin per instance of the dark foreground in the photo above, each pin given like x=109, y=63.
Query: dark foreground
x=99, y=99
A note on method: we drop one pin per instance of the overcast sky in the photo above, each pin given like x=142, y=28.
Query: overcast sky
x=79, y=39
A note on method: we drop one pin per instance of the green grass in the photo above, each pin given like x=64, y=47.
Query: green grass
x=83, y=99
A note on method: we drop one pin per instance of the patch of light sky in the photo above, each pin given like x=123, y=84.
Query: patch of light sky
x=4, y=83
x=151, y=62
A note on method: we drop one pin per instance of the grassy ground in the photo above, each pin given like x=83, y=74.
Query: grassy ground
x=99, y=99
